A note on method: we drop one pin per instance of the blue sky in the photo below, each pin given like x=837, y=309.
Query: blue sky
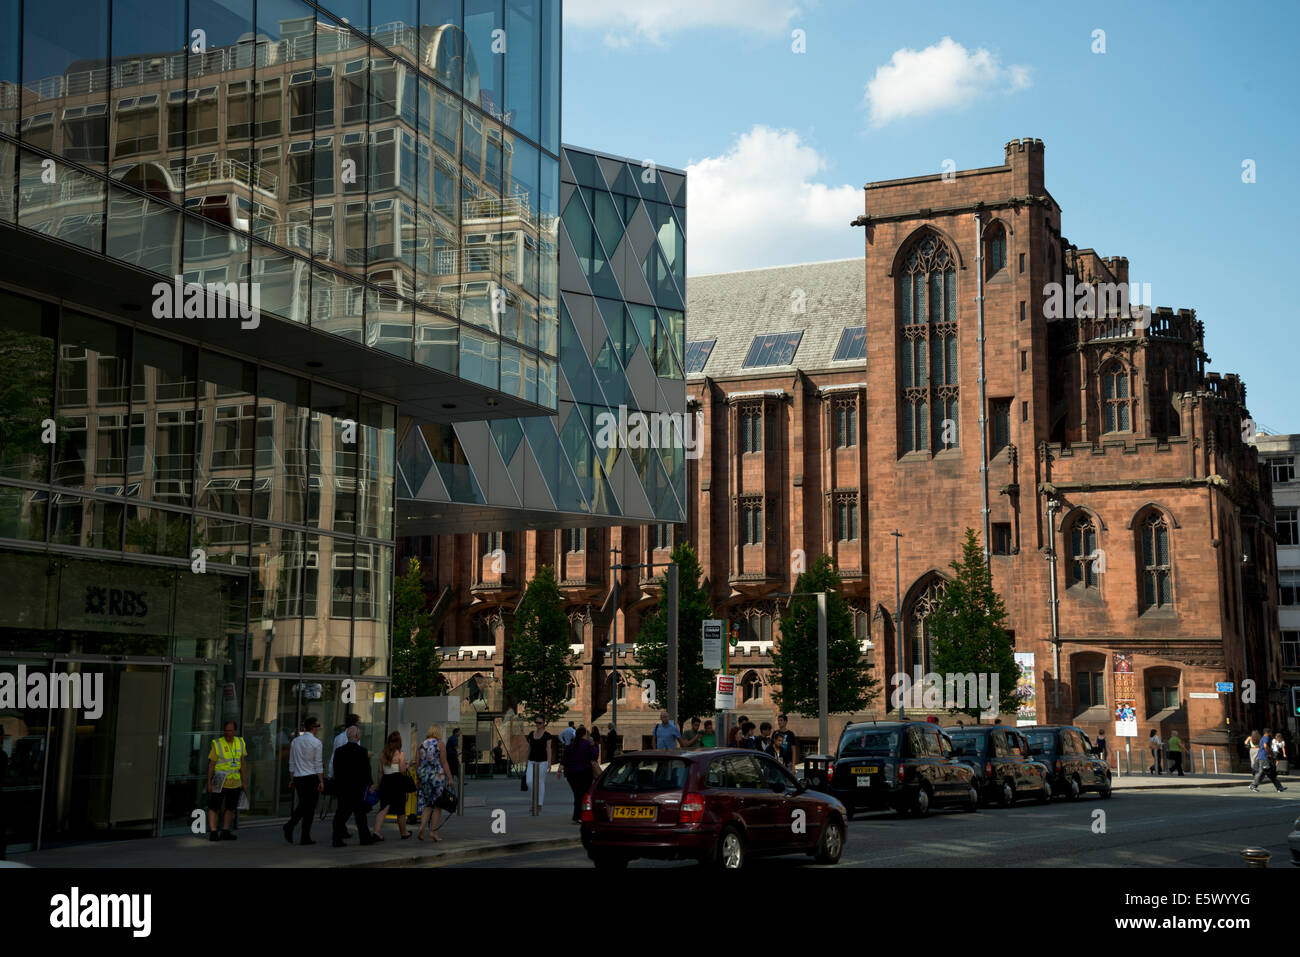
x=1144, y=143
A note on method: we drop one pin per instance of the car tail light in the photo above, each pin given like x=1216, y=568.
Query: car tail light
x=692, y=810
x=588, y=815
x=830, y=773
x=988, y=769
x=1059, y=766
x=900, y=772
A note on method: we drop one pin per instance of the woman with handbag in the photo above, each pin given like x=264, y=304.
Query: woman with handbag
x=393, y=780
x=435, y=779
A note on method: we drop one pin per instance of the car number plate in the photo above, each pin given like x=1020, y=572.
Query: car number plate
x=869, y=769
x=633, y=814
x=864, y=782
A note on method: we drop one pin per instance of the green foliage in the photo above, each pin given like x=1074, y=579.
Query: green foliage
x=415, y=650
x=538, y=661
x=694, y=684
x=850, y=686
x=967, y=627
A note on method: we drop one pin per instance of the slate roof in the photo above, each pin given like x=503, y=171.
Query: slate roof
x=733, y=307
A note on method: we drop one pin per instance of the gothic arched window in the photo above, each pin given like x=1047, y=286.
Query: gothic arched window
x=1116, y=401
x=995, y=249
x=927, y=318
x=1157, y=582
x=1083, y=548
x=918, y=625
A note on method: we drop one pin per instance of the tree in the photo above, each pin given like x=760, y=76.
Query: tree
x=850, y=686
x=967, y=628
x=415, y=651
x=538, y=661
x=694, y=684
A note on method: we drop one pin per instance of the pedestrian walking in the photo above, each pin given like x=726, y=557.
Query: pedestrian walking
x=1264, y=765
x=1175, y=754
x=580, y=766
x=541, y=755
x=1279, y=753
x=764, y=741
x=1157, y=753
x=733, y=737
x=666, y=733
x=352, y=782
x=453, y=754
x=1252, y=743
x=341, y=738
x=1099, y=748
x=611, y=742
x=691, y=736
x=708, y=737
x=391, y=767
x=746, y=736
x=596, y=741
x=434, y=777
x=306, y=779
x=785, y=742
x=228, y=779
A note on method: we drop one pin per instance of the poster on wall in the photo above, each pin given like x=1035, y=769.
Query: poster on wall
x=1026, y=700
x=1126, y=723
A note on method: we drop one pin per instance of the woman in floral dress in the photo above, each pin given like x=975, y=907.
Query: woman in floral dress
x=433, y=776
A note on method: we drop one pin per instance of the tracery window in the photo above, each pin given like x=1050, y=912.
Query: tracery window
x=927, y=304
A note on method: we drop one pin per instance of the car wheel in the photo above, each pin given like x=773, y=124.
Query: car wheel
x=1008, y=795
x=831, y=845
x=729, y=855
x=608, y=862
x=1104, y=791
x=973, y=800
x=1076, y=790
x=922, y=805
x=1045, y=792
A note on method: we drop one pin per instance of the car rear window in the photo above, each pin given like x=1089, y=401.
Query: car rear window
x=868, y=742
x=645, y=774
x=1042, y=739
x=970, y=743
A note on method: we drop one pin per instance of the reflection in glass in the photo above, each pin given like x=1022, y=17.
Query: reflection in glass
x=27, y=361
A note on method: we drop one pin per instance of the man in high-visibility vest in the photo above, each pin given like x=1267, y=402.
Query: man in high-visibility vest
x=228, y=758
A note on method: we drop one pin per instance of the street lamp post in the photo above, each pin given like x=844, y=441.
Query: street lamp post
x=898, y=618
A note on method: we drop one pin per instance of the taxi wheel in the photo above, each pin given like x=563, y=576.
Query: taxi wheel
x=922, y=806
x=831, y=845
x=973, y=800
x=1105, y=791
x=1076, y=791
x=1045, y=792
x=1008, y=795
x=730, y=852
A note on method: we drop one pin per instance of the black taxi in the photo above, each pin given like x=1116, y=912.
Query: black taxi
x=905, y=765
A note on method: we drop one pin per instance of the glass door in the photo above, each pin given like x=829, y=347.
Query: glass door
x=105, y=756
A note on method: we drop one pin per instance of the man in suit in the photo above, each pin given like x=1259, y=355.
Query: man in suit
x=352, y=778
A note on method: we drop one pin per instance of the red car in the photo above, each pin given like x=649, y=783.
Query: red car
x=717, y=806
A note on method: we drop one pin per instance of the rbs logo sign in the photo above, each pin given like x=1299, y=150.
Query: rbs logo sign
x=117, y=602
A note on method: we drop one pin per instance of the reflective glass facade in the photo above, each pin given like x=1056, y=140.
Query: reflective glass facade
x=384, y=172
x=622, y=330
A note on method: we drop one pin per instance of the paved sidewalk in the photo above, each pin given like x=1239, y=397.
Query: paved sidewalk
x=1143, y=782
x=263, y=845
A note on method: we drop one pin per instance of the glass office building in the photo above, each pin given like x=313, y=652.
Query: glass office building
x=239, y=242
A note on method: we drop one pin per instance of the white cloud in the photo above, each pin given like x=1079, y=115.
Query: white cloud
x=942, y=76
x=626, y=20
x=758, y=205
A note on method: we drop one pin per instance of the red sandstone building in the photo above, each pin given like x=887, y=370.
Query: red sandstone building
x=1129, y=525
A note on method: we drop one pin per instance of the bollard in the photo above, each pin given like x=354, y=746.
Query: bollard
x=1202, y=760
x=1216, y=761
x=1255, y=857
x=460, y=788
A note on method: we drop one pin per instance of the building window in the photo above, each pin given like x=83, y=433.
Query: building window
x=995, y=245
x=846, y=426
x=751, y=520
x=1022, y=262
x=571, y=693
x=918, y=622
x=1091, y=689
x=772, y=349
x=575, y=540
x=1083, y=549
x=758, y=626
x=1288, y=587
x=1283, y=468
x=1001, y=538
x=697, y=354
x=927, y=317
x=846, y=521
x=1287, y=531
x=852, y=344
x=1116, y=410
x=1163, y=696
x=1157, y=588
x=751, y=688
x=663, y=535
x=1001, y=424
x=1291, y=649
x=751, y=430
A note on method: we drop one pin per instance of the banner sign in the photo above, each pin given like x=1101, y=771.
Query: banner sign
x=712, y=638
x=1126, y=722
x=1026, y=699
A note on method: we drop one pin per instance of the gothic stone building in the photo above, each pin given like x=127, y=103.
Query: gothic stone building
x=1130, y=526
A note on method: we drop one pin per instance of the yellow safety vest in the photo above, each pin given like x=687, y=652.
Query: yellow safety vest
x=229, y=756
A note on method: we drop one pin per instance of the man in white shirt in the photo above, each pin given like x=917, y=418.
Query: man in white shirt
x=306, y=778
x=566, y=738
